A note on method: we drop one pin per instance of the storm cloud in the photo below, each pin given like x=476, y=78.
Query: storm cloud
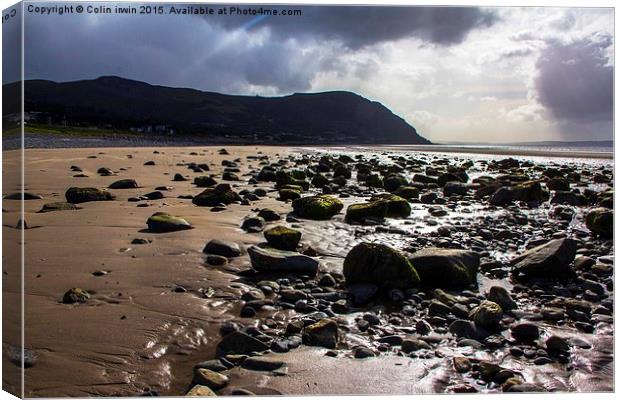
x=575, y=80
x=359, y=26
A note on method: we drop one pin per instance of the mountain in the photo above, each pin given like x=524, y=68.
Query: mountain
x=329, y=117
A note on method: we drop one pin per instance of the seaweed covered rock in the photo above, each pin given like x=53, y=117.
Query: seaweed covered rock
x=204, y=181
x=374, y=180
x=77, y=195
x=397, y=206
x=380, y=265
x=394, y=181
x=221, y=194
x=163, y=222
x=550, y=260
x=446, y=268
x=529, y=191
x=282, y=237
x=319, y=207
x=124, y=184
x=286, y=178
x=487, y=315
x=75, y=295
x=274, y=260
x=373, y=209
x=600, y=221
x=323, y=334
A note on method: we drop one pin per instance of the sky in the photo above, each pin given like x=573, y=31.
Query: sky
x=455, y=74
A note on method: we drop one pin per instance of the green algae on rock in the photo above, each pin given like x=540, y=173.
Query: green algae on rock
x=371, y=209
x=380, y=265
x=77, y=195
x=221, y=194
x=323, y=333
x=398, y=207
x=487, y=315
x=161, y=222
x=282, y=237
x=320, y=207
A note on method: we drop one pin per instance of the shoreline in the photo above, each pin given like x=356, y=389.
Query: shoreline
x=42, y=142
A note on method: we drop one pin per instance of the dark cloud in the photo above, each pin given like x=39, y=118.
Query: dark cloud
x=359, y=26
x=575, y=80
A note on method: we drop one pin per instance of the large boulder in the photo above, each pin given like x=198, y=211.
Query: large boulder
x=221, y=194
x=282, y=237
x=77, y=195
x=397, y=206
x=273, y=260
x=372, y=209
x=321, y=207
x=161, y=222
x=550, y=260
x=380, y=265
x=600, y=221
x=446, y=268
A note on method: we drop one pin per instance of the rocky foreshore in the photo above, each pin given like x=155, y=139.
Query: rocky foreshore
x=496, y=274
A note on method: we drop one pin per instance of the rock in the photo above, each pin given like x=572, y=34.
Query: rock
x=253, y=224
x=140, y=241
x=156, y=195
x=57, y=206
x=488, y=370
x=550, y=260
x=161, y=222
x=262, y=364
x=26, y=196
x=393, y=181
x=362, y=293
x=124, y=184
x=525, y=387
x=200, y=391
x=239, y=343
x=223, y=248
x=412, y=344
x=77, y=195
x=283, y=238
x=149, y=163
x=319, y=207
x=268, y=215
x=556, y=344
x=211, y=379
x=455, y=188
x=220, y=194
x=105, y=171
x=467, y=329
x=397, y=206
x=560, y=184
x=362, y=352
x=360, y=211
x=600, y=221
x=323, y=334
x=273, y=260
x=461, y=364
x=569, y=198
x=75, y=295
x=487, y=315
x=500, y=295
x=204, y=181
x=288, y=194
x=446, y=268
x=529, y=191
x=378, y=264
x=179, y=178
x=525, y=331
x=213, y=365
x=407, y=192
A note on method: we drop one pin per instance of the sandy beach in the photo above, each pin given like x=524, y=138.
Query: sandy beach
x=157, y=307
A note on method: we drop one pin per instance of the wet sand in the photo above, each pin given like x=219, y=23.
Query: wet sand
x=137, y=334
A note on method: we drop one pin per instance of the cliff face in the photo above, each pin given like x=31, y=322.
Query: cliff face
x=336, y=117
